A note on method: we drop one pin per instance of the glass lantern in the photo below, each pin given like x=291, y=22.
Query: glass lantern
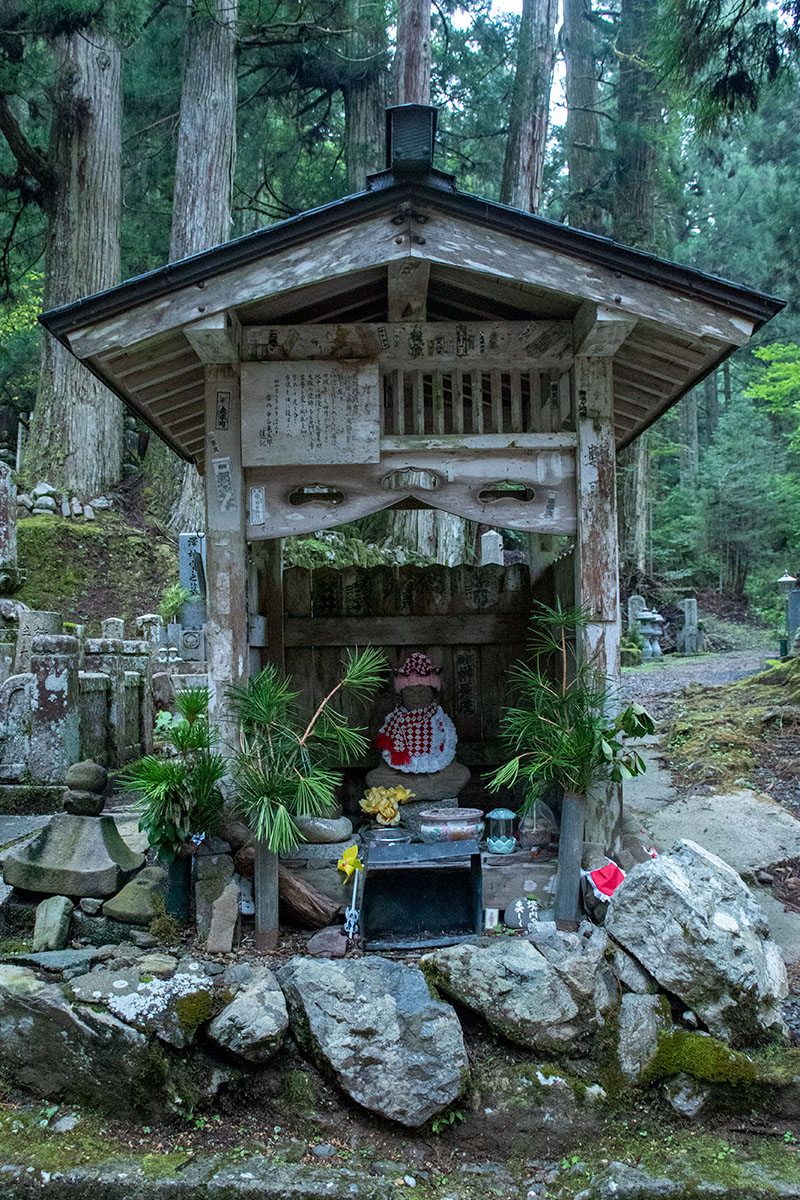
x=500, y=831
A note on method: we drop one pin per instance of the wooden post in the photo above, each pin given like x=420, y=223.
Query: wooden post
x=265, y=894
x=268, y=555
x=597, y=571
x=226, y=549
x=570, y=852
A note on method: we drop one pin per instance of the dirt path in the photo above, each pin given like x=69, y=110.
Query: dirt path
x=655, y=684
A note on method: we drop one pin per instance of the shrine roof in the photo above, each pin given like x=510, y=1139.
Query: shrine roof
x=487, y=262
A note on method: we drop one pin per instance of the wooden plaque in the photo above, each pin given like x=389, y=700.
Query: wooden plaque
x=310, y=412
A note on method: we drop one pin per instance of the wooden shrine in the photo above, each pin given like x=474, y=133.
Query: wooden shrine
x=408, y=345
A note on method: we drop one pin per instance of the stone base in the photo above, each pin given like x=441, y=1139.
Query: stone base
x=435, y=785
x=73, y=856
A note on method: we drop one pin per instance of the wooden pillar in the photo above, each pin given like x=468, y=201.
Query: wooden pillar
x=597, y=570
x=268, y=559
x=226, y=549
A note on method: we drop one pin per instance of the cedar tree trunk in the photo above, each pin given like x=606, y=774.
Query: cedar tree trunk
x=76, y=435
x=523, y=167
x=584, y=209
x=201, y=210
x=364, y=92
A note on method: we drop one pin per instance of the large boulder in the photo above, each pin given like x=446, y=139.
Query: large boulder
x=519, y=991
x=642, y=1020
x=73, y=856
x=690, y=920
x=56, y=1049
x=254, y=1024
x=373, y=1024
x=170, y=1009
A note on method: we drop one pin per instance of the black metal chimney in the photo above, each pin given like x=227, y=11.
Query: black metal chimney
x=410, y=138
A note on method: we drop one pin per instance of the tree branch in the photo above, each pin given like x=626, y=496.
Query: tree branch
x=30, y=158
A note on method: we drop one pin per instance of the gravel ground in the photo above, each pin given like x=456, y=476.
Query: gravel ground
x=653, y=684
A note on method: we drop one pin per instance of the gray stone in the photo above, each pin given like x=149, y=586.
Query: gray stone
x=224, y=920
x=688, y=918
x=52, y=924
x=91, y=905
x=642, y=1019
x=58, y=962
x=171, y=1009
x=321, y=830
x=65, y=512
x=54, y=1048
x=688, y=1096
x=328, y=943
x=234, y=831
x=87, y=776
x=238, y=975
x=88, y=512
x=102, y=502
x=134, y=904
x=631, y=974
x=141, y=938
x=160, y=966
x=324, y=1150
x=73, y=856
x=25, y=500
x=65, y=1124
x=373, y=1024
x=212, y=874
x=211, y=846
x=436, y=785
x=83, y=804
x=521, y=913
x=514, y=988
x=622, y=1182
x=45, y=504
x=100, y=931
x=44, y=489
x=254, y=1024
x=76, y=506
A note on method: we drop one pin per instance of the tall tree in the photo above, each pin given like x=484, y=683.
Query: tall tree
x=523, y=168
x=76, y=436
x=201, y=212
x=639, y=151
x=411, y=70
x=584, y=208
x=364, y=90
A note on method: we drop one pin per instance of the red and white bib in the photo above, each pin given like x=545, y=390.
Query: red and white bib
x=417, y=739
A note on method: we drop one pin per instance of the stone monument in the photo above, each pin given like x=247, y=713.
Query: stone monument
x=418, y=740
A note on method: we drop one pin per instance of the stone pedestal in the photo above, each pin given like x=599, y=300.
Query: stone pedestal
x=435, y=785
x=73, y=856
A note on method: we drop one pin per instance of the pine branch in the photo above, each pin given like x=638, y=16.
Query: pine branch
x=32, y=162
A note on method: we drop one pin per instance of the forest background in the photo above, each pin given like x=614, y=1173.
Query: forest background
x=133, y=132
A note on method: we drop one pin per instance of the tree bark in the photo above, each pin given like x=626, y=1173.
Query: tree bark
x=639, y=120
x=201, y=208
x=364, y=92
x=523, y=167
x=634, y=463
x=412, y=59
x=690, y=442
x=584, y=207
x=75, y=441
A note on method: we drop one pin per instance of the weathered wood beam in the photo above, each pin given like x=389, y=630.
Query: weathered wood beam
x=423, y=345
x=393, y=631
x=215, y=339
x=600, y=331
x=596, y=561
x=226, y=550
x=338, y=254
x=455, y=242
x=479, y=441
x=407, y=284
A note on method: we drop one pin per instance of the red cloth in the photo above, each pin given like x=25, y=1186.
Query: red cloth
x=416, y=671
x=606, y=880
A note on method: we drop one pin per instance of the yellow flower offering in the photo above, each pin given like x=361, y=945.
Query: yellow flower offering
x=384, y=803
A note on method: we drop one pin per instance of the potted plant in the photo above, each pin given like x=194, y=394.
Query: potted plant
x=287, y=767
x=560, y=730
x=178, y=792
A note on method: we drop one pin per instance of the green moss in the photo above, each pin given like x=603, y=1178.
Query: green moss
x=433, y=977
x=299, y=1092
x=161, y=1166
x=86, y=570
x=701, y=1057
x=14, y=946
x=193, y=1010
x=165, y=928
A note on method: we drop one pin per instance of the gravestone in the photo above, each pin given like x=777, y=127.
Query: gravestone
x=112, y=627
x=32, y=623
x=636, y=604
x=491, y=548
x=9, y=574
x=689, y=639
x=192, y=568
